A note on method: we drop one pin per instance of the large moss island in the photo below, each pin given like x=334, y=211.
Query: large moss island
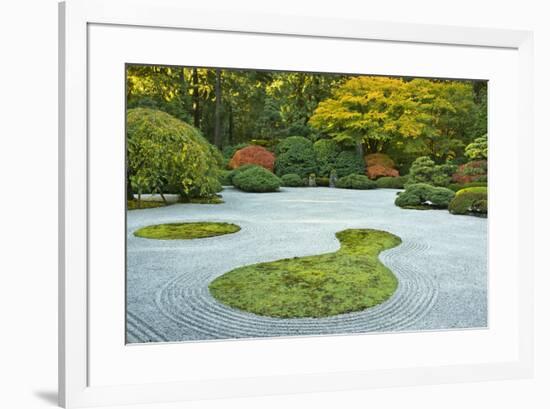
x=350, y=279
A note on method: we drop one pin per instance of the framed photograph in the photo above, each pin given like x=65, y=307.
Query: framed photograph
x=259, y=204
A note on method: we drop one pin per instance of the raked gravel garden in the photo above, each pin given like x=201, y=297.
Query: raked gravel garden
x=440, y=264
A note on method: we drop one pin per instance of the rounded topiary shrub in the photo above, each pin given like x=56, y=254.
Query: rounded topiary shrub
x=457, y=186
x=472, y=200
x=292, y=180
x=232, y=173
x=295, y=155
x=326, y=152
x=256, y=179
x=168, y=155
x=360, y=182
x=349, y=162
x=423, y=195
x=388, y=182
x=253, y=155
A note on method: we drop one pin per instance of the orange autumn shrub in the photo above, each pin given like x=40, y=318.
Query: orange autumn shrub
x=253, y=155
x=377, y=171
x=379, y=165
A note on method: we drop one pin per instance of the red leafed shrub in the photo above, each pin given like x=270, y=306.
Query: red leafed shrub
x=475, y=171
x=377, y=171
x=380, y=164
x=379, y=159
x=253, y=155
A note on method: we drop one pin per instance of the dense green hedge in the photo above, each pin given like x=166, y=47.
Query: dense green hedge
x=388, y=182
x=256, y=179
x=326, y=153
x=361, y=182
x=292, y=180
x=295, y=155
x=423, y=195
x=349, y=162
x=472, y=200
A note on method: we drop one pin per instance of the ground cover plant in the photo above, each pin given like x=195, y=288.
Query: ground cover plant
x=350, y=279
x=186, y=231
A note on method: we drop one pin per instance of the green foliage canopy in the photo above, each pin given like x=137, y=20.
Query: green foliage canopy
x=428, y=117
x=166, y=154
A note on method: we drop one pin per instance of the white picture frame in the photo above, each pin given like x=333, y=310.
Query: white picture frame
x=76, y=18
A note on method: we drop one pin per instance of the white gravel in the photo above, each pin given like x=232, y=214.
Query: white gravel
x=441, y=264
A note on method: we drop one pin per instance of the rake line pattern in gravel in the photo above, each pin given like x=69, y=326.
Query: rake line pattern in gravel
x=441, y=275
x=190, y=305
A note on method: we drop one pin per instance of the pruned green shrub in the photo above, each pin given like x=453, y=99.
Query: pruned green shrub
x=231, y=175
x=349, y=162
x=388, y=182
x=424, y=170
x=295, y=155
x=256, y=179
x=167, y=155
x=326, y=152
x=472, y=200
x=423, y=195
x=361, y=182
x=458, y=186
x=292, y=180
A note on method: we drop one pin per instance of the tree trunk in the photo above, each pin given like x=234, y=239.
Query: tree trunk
x=196, y=100
x=129, y=190
x=231, y=126
x=217, y=126
x=359, y=149
x=183, y=90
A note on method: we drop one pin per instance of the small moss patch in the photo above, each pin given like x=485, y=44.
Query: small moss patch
x=350, y=279
x=145, y=204
x=186, y=231
x=204, y=200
